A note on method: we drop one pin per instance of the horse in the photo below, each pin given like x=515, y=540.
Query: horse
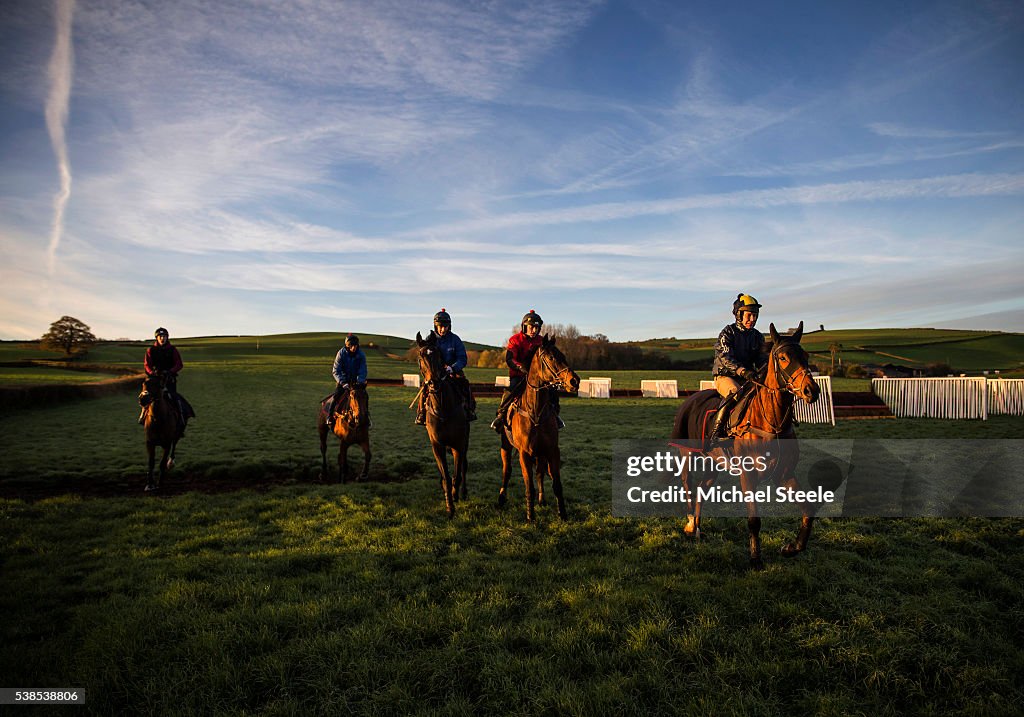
x=447, y=422
x=531, y=427
x=162, y=427
x=351, y=426
x=766, y=417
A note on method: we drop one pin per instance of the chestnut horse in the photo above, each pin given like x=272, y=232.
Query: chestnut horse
x=351, y=426
x=532, y=430
x=161, y=428
x=447, y=423
x=767, y=417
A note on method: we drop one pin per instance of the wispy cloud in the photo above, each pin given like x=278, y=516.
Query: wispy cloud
x=59, y=73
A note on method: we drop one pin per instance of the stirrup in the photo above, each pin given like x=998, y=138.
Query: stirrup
x=497, y=424
x=561, y=423
x=421, y=419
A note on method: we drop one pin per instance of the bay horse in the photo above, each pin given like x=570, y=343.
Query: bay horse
x=532, y=429
x=766, y=417
x=351, y=426
x=162, y=428
x=447, y=422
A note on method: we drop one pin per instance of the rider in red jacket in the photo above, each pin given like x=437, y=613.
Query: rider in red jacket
x=518, y=354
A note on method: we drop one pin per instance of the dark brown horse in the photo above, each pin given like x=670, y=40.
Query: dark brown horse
x=533, y=430
x=162, y=428
x=351, y=426
x=447, y=423
x=767, y=417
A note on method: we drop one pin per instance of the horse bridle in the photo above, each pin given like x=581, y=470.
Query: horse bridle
x=558, y=382
x=780, y=373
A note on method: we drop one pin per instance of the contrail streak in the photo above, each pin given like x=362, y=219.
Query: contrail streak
x=59, y=74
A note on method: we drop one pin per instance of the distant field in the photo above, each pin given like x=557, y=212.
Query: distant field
x=37, y=376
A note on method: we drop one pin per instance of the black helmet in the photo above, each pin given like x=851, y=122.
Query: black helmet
x=160, y=331
x=745, y=302
x=532, y=319
x=443, y=318
x=351, y=340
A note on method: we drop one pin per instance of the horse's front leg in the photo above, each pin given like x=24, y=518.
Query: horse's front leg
x=324, y=471
x=692, y=527
x=151, y=450
x=526, y=462
x=446, y=478
x=506, y=471
x=753, y=524
x=365, y=445
x=343, y=463
x=541, y=469
x=164, y=466
x=794, y=548
x=555, y=470
x=459, y=461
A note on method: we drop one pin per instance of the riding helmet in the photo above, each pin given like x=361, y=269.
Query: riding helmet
x=159, y=331
x=352, y=340
x=443, y=318
x=745, y=302
x=532, y=319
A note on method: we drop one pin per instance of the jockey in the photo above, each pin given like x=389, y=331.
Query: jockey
x=453, y=354
x=737, y=355
x=349, y=370
x=162, y=359
x=518, y=354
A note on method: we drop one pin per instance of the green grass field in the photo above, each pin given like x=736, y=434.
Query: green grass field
x=291, y=596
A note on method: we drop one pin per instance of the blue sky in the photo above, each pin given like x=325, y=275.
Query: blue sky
x=629, y=168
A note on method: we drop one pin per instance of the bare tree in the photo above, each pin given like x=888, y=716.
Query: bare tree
x=69, y=335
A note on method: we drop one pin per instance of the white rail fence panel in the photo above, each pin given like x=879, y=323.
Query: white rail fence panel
x=823, y=410
x=596, y=387
x=952, y=397
x=1006, y=396
x=502, y=381
x=411, y=379
x=660, y=388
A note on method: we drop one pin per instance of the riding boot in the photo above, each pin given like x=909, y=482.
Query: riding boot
x=716, y=424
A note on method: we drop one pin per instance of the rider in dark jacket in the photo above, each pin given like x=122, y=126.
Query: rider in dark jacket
x=163, y=359
x=453, y=353
x=349, y=370
x=737, y=355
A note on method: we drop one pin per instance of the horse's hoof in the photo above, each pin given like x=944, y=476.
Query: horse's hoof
x=150, y=487
x=170, y=463
x=362, y=477
x=791, y=550
x=502, y=499
x=756, y=564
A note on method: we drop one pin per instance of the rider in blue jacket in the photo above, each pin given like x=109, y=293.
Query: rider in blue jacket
x=349, y=371
x=453, y=353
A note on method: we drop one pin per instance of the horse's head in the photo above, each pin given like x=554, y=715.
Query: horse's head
x=552, y=369
x=431, y=362
x=356, y=409
x=787, y=364
x=154, y=386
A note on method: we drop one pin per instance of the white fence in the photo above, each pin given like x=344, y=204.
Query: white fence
x=934, y=397
x=660, y=388
x=503, y=381
x=595, y=387
x=411, y=379
x=1006, y=396
x=822, y=411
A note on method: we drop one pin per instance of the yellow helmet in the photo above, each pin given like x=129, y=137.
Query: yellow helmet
x=745, y=302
